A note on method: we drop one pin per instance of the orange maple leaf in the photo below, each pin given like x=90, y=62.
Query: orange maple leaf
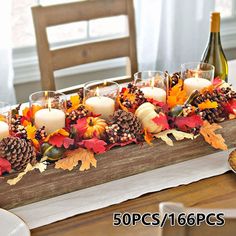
x=215, y=140
x=207, y=105
x=59, y=131
x=29, y=113
x=177, y=96
x=74, y=156
x=148, y=137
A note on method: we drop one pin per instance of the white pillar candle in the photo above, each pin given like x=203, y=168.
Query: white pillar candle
x=192, y=84
x=101, y=105
x=52, y=119
x=4, y=130
x=157, y=94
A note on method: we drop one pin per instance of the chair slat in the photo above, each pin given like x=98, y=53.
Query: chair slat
x=82, y=11
x=91, y=52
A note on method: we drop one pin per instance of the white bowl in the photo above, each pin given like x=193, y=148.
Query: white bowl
x=12, y=225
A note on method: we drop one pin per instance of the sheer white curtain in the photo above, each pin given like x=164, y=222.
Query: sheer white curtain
x=6, y=70
x=171, y=32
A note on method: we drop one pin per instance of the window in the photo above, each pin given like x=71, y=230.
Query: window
x=225, y=7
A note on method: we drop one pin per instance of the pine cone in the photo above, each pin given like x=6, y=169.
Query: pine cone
x=77, y=114
x=174, y=79
x=18, y=152
x=221, y=96
x=124, y=126
x=17, y=128
x=138, y=100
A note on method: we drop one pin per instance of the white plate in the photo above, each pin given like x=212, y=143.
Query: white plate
x=12, y=225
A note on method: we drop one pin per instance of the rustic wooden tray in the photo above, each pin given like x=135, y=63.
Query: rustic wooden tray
x=115, y=164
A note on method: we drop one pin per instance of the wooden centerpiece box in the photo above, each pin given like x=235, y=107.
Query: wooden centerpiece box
x=115, y=164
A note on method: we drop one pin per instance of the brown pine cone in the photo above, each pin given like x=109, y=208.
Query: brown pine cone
x=19, y=152
x=214, y=114
x=79, y=113
x=123, y=126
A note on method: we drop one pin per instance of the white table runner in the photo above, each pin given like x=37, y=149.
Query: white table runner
x=100, y=196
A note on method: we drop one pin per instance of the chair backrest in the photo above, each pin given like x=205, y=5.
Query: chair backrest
x=51, y=60
x=228, y=229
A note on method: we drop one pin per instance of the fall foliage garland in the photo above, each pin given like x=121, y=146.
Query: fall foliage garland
x=87, y=134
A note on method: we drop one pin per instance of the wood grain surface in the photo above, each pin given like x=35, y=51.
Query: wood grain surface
x=215, y=192
x=114, y=164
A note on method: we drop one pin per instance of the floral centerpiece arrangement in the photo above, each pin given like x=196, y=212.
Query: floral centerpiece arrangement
x=137, y=119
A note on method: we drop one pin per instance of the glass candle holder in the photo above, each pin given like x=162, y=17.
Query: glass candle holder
x=197, y=76
x=5, y=117
x=100, y=97
x=48, y=110
x=153, y=84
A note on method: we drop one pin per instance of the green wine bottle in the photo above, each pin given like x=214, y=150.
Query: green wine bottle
x=214, y=53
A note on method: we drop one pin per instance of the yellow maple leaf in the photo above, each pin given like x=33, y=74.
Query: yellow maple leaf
x=2, y=118
x=178, y=135
x=31, y=130
x=215, y=140
x=40, y=166
x=207, y=105
x=75, y=101
x=74, y=156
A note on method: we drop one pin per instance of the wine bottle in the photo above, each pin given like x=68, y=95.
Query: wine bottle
x=214, y=53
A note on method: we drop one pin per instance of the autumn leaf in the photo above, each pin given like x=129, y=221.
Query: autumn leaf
x=183, y=123
x=2, y=118
x=29, y=113
x=96, y=145
x=31, y=131
x=148, y=137
x=110, y=146
x=62, y=132
x=5, y=166
x=40, y=166
x=215, y=140
x=207, y=105
x=178, y=135
x=161, y=120
x=74, y=156
x=81, y=126
x=163, y=105
x=217, y=81
x=231, y=106
x=177, y=96
x=75, y=101
x=59, y=140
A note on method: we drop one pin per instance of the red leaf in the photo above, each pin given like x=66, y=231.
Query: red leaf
x=217, y=81
x=81, y=126
x=183, y=123
x=110, y=146
x=59, y=140
x=163, y=105
x=5, y=166
x=231, y=106
x=161, y=120
x=94, y=144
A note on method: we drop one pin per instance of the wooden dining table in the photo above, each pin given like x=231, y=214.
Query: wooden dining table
x=214, y=192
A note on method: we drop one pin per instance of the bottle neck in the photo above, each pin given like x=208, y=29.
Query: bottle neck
x=214, y=38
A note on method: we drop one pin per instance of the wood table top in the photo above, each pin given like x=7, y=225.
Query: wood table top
x=215, y=192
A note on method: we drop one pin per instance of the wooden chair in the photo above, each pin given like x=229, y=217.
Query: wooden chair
x=56, y=59
x=229, y=229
